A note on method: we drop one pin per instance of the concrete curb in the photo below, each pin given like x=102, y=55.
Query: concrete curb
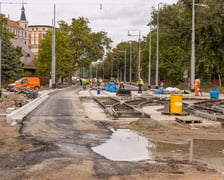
x=17, y=116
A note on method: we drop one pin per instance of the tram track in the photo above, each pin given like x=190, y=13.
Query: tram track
x=118, y=108
x=132, y=107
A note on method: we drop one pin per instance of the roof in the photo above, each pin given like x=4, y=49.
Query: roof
x=40, y=26
x=13, y=24
x=23, y=16
x=28, y=58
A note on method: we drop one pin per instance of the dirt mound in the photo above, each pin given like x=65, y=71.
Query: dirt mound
x=146, y=123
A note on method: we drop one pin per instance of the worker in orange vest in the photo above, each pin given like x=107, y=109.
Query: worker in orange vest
x=197, y=83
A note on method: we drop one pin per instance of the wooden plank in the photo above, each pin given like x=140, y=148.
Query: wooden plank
x=188, y=121
x=175, y=114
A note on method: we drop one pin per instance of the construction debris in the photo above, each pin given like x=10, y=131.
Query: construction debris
x=16, y=99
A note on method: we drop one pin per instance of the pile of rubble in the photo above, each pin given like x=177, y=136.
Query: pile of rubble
x=16, y=99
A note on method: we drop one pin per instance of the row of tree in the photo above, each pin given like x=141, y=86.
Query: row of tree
x=175, y=29
x=76, y=48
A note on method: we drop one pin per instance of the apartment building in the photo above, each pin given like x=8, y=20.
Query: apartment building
x=36, y=34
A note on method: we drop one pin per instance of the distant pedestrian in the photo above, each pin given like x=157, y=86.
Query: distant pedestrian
x=197, y=84
x=80, y=81
x=161, y=85
x=140, y=84
x=121, y=86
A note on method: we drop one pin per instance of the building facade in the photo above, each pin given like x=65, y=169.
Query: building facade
x=28, y=38
x=20, y=28
x=31, y=35
x=36, y=34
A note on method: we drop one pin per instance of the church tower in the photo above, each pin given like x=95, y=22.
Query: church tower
x=24, y=24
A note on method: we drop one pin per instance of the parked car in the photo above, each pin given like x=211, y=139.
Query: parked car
x=29, y=82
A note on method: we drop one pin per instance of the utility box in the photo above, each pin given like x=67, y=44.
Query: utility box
x=176, y=104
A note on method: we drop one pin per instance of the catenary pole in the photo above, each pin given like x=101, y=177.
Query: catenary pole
x=150, y=55
x=53, y=68
x=193, y=47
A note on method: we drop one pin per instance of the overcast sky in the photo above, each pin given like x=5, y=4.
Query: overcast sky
x=116, y=17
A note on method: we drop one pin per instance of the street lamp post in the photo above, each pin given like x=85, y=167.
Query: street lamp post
x=130, y=73
x=150, y=55
x=193, y=47
x=157, y=48
x=0, y=58
x=103, y=69
x=125, y=64
x=125, y=61
x=53, y=63
x=112, y=68
x=139, y=53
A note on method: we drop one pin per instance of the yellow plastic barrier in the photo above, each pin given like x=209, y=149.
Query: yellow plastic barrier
x=176, y=105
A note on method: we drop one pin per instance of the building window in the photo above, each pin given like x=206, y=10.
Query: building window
x=32, y=29
x=43, y=29
x=37, y=29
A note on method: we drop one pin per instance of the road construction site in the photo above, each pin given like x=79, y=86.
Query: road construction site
x=115, y=137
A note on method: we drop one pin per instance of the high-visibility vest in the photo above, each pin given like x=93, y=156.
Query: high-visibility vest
x=141, y=82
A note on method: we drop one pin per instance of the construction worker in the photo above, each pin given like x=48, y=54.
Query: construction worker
x=197, y=83
x=161, y=85
x=121, y=86
x=140, y=84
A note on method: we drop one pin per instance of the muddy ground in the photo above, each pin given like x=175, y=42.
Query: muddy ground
x=18, y=162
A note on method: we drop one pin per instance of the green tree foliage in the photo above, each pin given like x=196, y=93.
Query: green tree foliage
x=116, y=59
x=175, y=28
x=11, y=65
x=86, y=46
x=64, y=59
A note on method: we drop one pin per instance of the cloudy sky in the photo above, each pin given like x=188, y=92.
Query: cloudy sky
x=116, y=17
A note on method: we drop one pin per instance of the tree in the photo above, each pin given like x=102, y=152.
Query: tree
x=175, y=41
x=64, y=59
x=86, y=46
x=11, y=65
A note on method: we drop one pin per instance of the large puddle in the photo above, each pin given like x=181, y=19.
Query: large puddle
x=126, y=145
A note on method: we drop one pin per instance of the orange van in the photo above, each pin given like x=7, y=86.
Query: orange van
x=29, y=82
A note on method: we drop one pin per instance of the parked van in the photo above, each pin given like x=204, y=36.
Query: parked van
x=29, y=82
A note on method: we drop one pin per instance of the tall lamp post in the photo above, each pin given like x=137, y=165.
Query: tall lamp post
x=193, y=43
x=157, y=48
x=53, y=63
x=193, y=47
x=125, y=63
x=130, y=73
x=139, y=53
x=0, y=58
x=112, y=68
x=150, y=56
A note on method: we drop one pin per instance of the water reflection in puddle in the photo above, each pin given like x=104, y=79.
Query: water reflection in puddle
x=126, y=145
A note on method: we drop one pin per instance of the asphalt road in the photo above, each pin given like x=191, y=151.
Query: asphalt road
x=63, y=134
x=60, y=119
